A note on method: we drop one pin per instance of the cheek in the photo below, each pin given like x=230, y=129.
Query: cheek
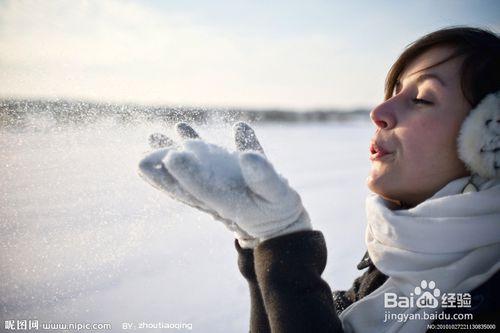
x=420, y=139
x=428, y=146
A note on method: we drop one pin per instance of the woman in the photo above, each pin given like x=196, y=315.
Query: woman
x=433, y=232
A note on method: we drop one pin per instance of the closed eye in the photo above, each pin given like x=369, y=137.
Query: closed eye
x=421, y=101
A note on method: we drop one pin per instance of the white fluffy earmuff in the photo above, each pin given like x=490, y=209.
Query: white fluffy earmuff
x=479, y=138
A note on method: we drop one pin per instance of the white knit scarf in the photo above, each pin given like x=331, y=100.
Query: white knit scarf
x=451, y=238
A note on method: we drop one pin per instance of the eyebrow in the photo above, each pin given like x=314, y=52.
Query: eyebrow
x=428, y=76
x=422, y=78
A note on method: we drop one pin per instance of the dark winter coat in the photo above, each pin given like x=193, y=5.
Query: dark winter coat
x=287, y=293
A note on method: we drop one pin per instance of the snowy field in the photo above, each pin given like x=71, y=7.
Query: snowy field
x=84, y=239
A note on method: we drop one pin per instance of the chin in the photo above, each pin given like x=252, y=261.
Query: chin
x=379, y=182
x=392, y=191
x=380, y=190
x=387, y=189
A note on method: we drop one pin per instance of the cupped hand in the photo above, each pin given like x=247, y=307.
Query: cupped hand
x=240, y=188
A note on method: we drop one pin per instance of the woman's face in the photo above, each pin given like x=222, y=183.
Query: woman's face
x=414, y=150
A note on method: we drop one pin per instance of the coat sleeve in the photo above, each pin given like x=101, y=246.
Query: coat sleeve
x=288, y=270
x=258, y=316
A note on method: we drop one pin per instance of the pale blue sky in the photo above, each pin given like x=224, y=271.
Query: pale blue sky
x=289, y=54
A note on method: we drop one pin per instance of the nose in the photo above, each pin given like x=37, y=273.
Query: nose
x=383, y=116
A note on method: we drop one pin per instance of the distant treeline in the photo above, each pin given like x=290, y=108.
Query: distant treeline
x=20, y=113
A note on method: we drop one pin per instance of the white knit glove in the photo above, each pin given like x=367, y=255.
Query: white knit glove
x=239, y=188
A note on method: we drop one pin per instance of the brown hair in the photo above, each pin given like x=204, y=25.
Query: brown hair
x=480, y=71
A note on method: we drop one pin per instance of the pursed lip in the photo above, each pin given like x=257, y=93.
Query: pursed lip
x=377, y=150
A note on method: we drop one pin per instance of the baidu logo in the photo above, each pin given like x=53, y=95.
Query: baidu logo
x=426, y=295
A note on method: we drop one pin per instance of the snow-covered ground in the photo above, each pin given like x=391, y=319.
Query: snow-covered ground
x=84, y=239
